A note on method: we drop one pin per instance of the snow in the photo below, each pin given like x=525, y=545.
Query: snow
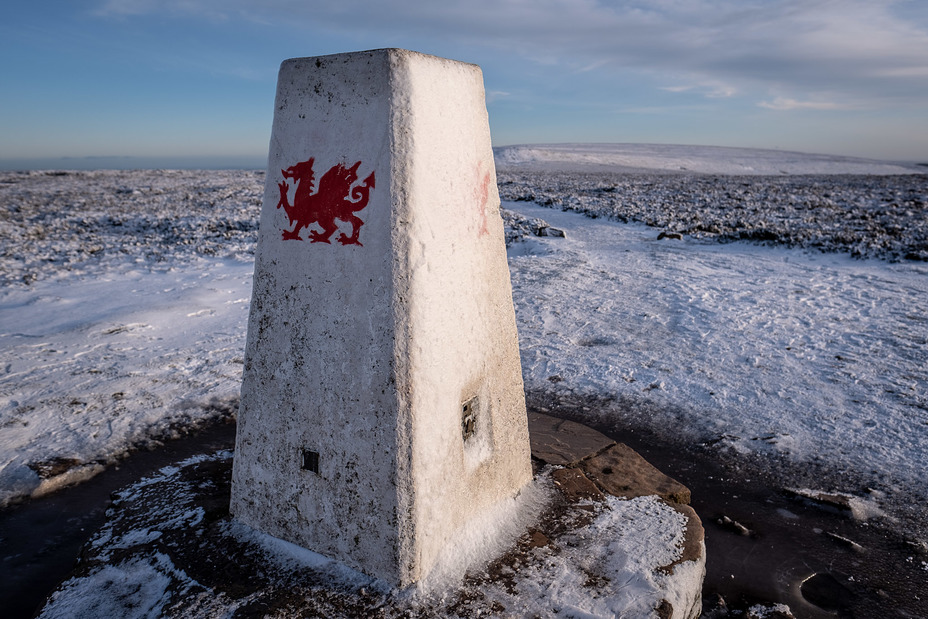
x=125, y=297
x=131, y=589
x=486, y=536
x=94, y=367
x=626, y=545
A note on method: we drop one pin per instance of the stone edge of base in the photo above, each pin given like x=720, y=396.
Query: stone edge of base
x=593, y=465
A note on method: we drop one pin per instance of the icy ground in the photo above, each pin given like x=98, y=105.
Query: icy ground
x=125, y=294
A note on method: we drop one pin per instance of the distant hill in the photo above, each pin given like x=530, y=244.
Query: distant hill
x=670, y=158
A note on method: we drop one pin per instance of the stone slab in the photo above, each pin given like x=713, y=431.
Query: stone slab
x=563, y=442
x=622, y=472
x=575, y=485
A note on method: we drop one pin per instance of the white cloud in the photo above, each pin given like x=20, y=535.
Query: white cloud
x=710, y=91
x=784, y=103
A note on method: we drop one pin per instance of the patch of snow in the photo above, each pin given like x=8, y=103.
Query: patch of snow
x=290, y=556
x=625, y=546
x=135, y=588
x=92, y=368
x=776, y=611
x=486, y=537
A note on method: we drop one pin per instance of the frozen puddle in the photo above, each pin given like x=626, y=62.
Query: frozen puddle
x=808, y=357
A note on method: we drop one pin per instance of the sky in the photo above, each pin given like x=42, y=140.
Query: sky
x=181, y=81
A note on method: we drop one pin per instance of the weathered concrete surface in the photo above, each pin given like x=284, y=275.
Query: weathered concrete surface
x=381, y=310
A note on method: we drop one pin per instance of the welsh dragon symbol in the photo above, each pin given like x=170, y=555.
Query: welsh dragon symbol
x=339, y=196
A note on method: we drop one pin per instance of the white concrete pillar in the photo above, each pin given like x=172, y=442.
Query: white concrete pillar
x=382, y=403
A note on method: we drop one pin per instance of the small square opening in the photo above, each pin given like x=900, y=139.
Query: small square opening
x=469, y=418
x=310, y=461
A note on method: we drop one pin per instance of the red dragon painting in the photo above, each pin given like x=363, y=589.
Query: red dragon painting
x=339, y=197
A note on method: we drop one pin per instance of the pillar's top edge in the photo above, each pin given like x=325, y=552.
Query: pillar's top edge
x=394, y=52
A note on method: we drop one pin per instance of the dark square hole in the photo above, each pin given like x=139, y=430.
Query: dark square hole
x=310, y=461
x=469, y=418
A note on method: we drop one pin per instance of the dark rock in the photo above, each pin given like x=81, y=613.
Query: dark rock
x=549, y=231
x=664, y=610
x=714, y=607
x=53, y=467
x=537, y=539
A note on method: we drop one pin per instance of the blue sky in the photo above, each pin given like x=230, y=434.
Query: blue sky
x=176, y=79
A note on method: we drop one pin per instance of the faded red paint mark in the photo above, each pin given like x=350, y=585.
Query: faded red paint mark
x=482, y=195
x=339, y=197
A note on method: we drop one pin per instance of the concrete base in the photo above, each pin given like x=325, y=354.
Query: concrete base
x=588, y=554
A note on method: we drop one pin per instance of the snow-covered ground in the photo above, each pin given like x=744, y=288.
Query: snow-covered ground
x=124, y=306
x=818, y=358
x=122, y=314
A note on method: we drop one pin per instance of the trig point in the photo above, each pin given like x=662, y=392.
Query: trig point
x=382, y=406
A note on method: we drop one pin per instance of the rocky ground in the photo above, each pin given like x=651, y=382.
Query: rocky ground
x=59, y=224
x=62, y=222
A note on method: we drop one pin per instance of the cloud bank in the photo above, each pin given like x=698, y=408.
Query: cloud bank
x=789, y=54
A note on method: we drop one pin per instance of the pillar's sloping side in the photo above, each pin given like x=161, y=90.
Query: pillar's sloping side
x=319, y=359
x=382, y=406
x=462, y=333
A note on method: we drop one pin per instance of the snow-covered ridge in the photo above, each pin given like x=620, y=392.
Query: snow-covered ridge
x=688, y=159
